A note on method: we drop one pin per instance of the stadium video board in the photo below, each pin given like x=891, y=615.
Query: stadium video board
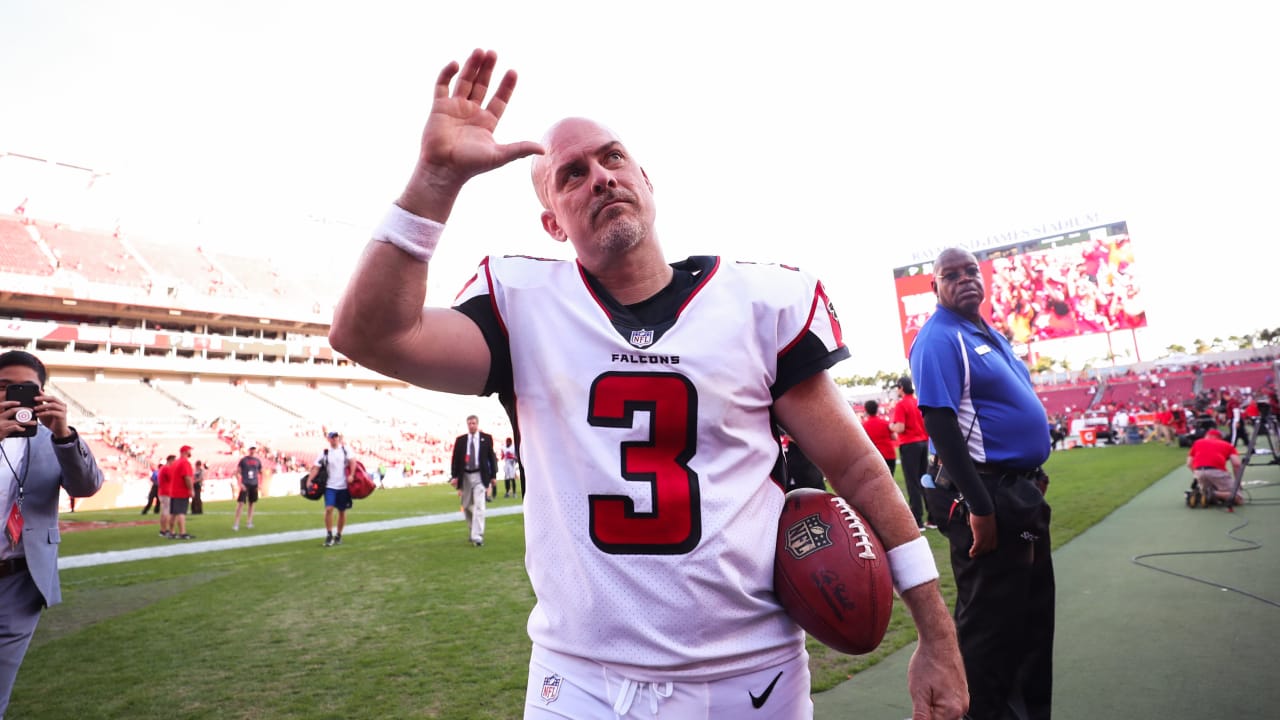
x=1067, y=284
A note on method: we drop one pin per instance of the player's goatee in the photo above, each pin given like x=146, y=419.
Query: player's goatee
x=623, y=234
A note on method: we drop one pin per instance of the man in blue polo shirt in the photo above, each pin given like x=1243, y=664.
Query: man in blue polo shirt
x=988, y=428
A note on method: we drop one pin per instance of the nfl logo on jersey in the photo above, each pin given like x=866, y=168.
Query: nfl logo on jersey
x=808, y=537
x=551, y=688
x=641, y=338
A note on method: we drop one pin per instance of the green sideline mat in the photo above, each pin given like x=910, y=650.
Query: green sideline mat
x=1135, y=643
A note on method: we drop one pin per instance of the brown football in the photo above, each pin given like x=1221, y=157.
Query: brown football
x=831, y=573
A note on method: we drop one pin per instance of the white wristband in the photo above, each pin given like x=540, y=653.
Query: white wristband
x=912, y=564
x=417, y=236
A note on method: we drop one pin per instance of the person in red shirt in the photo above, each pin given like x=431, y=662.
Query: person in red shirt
x=162, y=485
x=913, y=447
x=881, y=436
x=1164, y=425
x=1208, y=460
x=181, y=484
x=1179, y=421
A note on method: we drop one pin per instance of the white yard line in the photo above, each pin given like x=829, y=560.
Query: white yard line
x=174, y=548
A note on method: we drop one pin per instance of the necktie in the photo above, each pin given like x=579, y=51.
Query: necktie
x=471, y=453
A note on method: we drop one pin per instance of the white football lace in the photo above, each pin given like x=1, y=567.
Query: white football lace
x=855, y=525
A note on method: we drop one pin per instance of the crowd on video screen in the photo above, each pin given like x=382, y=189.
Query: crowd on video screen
x=1077, y=289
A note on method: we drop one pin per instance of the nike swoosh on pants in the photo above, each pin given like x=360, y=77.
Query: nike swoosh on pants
x=758, y=702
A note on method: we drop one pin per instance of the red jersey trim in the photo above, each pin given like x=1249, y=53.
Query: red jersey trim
x=582, y=275
x=698, y=288
x=493, y=300
x=831, y=315
x=813, y=309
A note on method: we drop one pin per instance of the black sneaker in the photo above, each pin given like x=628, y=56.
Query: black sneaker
x=337, y=539
x=186, y=536
x=328, y=542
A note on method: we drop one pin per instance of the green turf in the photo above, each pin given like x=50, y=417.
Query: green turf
x=401, y=623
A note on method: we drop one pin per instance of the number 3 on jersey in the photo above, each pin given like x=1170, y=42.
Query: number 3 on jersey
x=674, y=525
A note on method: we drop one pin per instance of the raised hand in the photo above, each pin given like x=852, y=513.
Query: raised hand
x=458, y=142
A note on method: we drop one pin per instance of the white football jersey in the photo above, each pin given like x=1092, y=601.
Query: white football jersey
x=648, y=446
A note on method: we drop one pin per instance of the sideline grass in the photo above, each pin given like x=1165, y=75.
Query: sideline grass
x=127, y=528
x=411, y=623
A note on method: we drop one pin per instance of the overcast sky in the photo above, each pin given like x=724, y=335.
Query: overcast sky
x=840, y=137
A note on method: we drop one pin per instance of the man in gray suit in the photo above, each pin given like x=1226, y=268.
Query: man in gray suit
x=32, y=471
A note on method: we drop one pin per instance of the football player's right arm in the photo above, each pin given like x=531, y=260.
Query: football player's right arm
x=380, y=321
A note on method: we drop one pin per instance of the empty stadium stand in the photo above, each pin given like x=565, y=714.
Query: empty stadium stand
x=1066, y=399
x=1247, y=375
x=122, y=401
x=315, y=408
x=19, y=251
x=261, y=278
x=96, y=256
x=1139, y=391
x=210, y=401
x=181, y=268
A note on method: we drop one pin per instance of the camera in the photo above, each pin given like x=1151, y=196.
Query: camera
x=25, y=393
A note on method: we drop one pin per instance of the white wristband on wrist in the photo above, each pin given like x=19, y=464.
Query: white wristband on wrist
x=417, y=236
x=912, y=564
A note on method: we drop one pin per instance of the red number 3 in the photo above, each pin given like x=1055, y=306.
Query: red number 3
x=674, y=525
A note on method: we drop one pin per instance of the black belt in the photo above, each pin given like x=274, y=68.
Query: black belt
x=472, y=470
x=1002, y=470
x=1207, y=467
x=12, y=566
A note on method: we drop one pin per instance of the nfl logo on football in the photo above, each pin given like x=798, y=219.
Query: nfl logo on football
x=808, y=537
x=641, y=338
x=551, y=688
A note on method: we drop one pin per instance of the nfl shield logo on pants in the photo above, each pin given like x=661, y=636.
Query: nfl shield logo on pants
x=641, y=338
x=551, y=688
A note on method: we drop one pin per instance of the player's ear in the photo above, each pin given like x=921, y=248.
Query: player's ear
x=646, y=179
x=552, y=227
x=934, y=284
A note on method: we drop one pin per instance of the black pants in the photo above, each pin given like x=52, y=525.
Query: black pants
x=915, y=458
x=153, y=497
x=1004, y=618
x=197, y=505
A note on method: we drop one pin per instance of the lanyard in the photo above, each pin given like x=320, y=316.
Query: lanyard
x=21, y=479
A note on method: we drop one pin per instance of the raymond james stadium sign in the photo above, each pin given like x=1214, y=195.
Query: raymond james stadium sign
x=1011, y=237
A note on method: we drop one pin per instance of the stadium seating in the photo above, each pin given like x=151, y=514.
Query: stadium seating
x=185, y=269
x=19, y=252
x=1138, y=391
x=1249, y=375
x=96, y=256
x=262, y=279
x=210, y=401
x=127, y=401
x=317, y=408
x=1065, y=399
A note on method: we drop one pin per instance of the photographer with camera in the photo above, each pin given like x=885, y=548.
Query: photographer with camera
x=40, y=454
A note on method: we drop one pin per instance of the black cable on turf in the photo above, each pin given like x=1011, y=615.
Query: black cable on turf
x=1253, y=545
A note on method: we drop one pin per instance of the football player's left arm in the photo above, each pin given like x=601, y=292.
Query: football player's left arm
x=823, y=423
